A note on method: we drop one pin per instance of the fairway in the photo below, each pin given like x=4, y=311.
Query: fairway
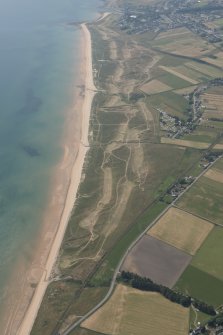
x=130, y=311
x=201, y=285
x=182, y=230
x=185, y=143
x=204, y=198
x=209, y=257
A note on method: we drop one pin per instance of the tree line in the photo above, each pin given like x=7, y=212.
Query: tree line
x=146, y=284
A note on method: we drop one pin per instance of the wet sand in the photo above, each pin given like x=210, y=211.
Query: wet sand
x=24, y=307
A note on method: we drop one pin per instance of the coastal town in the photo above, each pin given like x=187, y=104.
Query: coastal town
x=174, y=14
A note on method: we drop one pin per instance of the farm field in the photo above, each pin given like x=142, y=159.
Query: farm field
x=207, y=197
x=156, y=260
x=204, y=69
x=181, y=230
x=172, y=103
x=182, y=42
x=185, y=143
x=215, y=175
x=130, y=311
x=179, y=73
x=201, y=134
x=217, y=61
x=155, y=86
x=218, y=146
x=213, y=106
x=201, y=285
x=209, y=257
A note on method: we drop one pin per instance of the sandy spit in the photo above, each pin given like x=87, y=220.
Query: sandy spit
x=89, y=92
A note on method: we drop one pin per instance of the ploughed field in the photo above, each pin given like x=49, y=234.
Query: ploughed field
x=156, y=260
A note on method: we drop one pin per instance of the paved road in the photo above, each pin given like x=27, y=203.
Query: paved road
x=112, y=285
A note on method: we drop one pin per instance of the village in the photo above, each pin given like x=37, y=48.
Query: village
x=174, y=14
x=176, y=128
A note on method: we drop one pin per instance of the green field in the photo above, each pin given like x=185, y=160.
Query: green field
x=201, y=285
x=202, y=135
x=197, y=316
x=173, y=81
x=170, y=102
x=207, y=198
x=209, y=257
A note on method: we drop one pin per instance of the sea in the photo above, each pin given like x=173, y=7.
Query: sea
x=39, y=61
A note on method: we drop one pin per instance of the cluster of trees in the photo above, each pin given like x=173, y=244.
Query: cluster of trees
x=216, y=321
x=146, y=284
x=212, y=156
x=203, y=307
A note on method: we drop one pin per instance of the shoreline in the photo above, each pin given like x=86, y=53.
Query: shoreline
x=74, y=181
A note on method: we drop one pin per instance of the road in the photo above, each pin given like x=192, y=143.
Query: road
x=117, y=270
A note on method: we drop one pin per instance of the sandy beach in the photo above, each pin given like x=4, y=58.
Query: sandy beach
x=55, y=239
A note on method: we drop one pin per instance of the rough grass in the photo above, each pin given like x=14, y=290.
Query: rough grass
x=209, y=257
x=105, y=272
x=207, y=200
x=71, y=298
x=182, y=230
x=131, y=311
x=201, y=285
x=50, y=310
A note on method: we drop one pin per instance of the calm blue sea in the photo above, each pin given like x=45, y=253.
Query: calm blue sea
x=38, y=51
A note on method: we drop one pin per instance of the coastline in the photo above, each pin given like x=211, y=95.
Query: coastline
x=75, y=178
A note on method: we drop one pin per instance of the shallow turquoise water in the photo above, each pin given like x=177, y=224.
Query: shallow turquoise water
x=38, y=50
